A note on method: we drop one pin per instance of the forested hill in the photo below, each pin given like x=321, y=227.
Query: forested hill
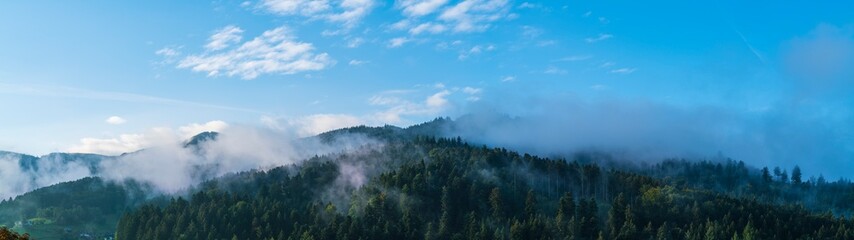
x=430, y=188
x=420, y=182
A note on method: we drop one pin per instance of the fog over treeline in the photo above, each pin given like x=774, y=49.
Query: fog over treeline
x=817, y=140
x=174, y=164
x=628, y=131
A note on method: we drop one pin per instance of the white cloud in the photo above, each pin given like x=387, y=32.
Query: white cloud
x=167, y=52
x=398, y=108
x=296, y=7
x=475, y=15
x=401, y=25
x=546, y=43
x=508, y=79
x=347, y=12
x=397, y=42
x=383, y=100
x=275, y=51
x=418, y=8
x=52, y=169
x=111, y=146
x=472, y=91
x=438, y=16
x=79, y=93
x=125, y=143
x=188, y=131
x=319, y=123
x=601, y=37
x=477, y=49
x=312, y=124
x=554, y=70
x=428, y=27
x=606, y=64
x=352, y=12
x=527, y=5
x=531, y=32
x=355, y=62
x=224, y=37
x=624, y=70
x=598, y=87
x=438, y=100
x=355, y=42
x=574, y=58
x=115, y=120
x=587, y=14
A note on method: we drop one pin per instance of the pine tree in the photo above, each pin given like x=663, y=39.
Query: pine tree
x=663, y=232
x=629, y=229
x=749, y=233
x=766, y=175
x=496, y=204
x=565, y=211
x=616, y=215
x=796, y=175
x=531, y=205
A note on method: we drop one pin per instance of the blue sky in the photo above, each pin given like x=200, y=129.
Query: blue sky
x=81, y=73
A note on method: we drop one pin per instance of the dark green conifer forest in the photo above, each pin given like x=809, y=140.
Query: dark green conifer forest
x=411, y=184
x=445, y=188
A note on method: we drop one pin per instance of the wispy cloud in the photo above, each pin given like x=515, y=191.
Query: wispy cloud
x=349, y=13
x=78, y=93
x=528, y=5
x=624, y=70
x=554, y=70
x=223, y=37
x=170, y=55
x=475, y=50
x=428, y=28
x=601, y=37
x=598, y=87
x=125, y=143
x=115, y=120
x=750, y=46
x=399, y=105
x=355, y=42
x=418, y=8
x=574, y=58
x=397, y=42
x=606, y=64
x=440, y=16
x=168, y=52
x=508, y=78
x=275, y=51
x=531, y=32
x=356, y=62
x=474, y=93
x=312, y=124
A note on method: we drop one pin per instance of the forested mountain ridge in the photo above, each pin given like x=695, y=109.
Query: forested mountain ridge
x=415, y=183
x=460, y=191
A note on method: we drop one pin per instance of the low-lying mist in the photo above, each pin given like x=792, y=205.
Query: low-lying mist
x=18, y=175
x=647, y=131
x=173, y=165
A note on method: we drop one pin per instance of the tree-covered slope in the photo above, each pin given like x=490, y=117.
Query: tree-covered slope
x=86, y=206
x=459, y=191
x=412, y=183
